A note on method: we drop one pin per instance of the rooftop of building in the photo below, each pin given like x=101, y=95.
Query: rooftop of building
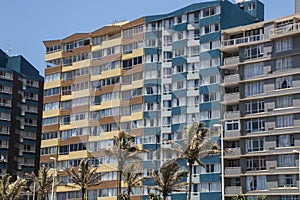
x=19, y=64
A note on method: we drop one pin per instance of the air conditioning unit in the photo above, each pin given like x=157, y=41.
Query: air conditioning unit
x=23, y=100
x=271, y=129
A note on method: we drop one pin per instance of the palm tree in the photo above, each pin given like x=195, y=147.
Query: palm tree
x=168, y=177
x=42, y=181
x=84, y=177
x=152, y=196
x=196, y=146
x=123, y=151
x=262, y=198
x=11, y=190
x=239, y=197
x=131, y=178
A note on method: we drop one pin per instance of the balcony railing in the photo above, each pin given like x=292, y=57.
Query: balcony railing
x=232, y=114
x=232, y=96
x=233, y=151
x=233, y=170
x=290, y=28
x=243, y=40
x=233, y=190
x=232, y=133
x=232, y=78
x=231, y=60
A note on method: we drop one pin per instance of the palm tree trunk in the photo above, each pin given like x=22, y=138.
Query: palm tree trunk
x=190, y=180
x=128, y=191
x=82, y=193
x=119, y=182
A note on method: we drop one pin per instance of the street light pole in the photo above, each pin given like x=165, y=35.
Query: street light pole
x=53, y=177
x=220, y=126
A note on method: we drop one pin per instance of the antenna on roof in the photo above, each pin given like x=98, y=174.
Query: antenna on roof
x=8, y=51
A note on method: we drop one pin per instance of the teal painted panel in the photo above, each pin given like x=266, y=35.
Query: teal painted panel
x=151, y=131
x=31, y=115
x=30, y=128
x=4, y=123
x=180, y=27
x=179, y=77
x=152, y=82
x=209, y=71
x=4, y=137
x=152, y=66
x=209, y=88
x=209, y=106
x=6, y=82
x=179, y=44
x=179, y=110
x=5, y=109
x=5, y=95
x=179, y=60
x=210, y=20
x=30, y=142
x=32, y=89
x=28, y=155
x=32, y=102
x=152, y=114
x=153, y=34
x=179, y=93
x=210, y=54
x=150, y=51
x=210, y=37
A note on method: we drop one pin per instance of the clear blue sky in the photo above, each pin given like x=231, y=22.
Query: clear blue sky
x=26, y=23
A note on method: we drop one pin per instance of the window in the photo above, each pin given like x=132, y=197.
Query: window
x=53, y=48
x=53, y=63
x=66, y=105
x=283, y=45
x=284, y=121
x=67, y=61
x=213, y=96
x=52, y=91
x=52, y=77
x=254, y=88
x=179, y=85
x=49, y=135
x=180, y=101
x=255, y=144
x=289, y=180
x=253, y=52
x=79, y=116
x=210, y=114
x=210, y=11
x=211, y=79
x=127, y=64
x=152, y=90
x=51, y=106
x=66, y=90
x=283, y=82
x=98, y=40
x=153, y=74
x=179, y=52
x=232, y=125
x=168, y=56
x=254, y=107
x=50, y=121
x=256, y=163
x=285, y=140
x=65, y=120
x=193, y=67
x=210, y=187
x=210, y=28
x=283, y=63
x=167, y=40
x=210, y=45
x=254, y=70
x=286, y=160
x=256, y=183
x=284, y=101
x=209, y=62
x=255, y=125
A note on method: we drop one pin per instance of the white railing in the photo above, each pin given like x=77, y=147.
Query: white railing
x=285, y=29
x=242, y=40
x=231, y=60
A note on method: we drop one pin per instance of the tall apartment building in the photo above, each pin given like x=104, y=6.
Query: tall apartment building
x=21, y=97
x=151, y=77
x=261, y=102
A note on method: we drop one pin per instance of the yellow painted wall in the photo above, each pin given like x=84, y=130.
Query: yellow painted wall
x=49, y=143
x=52, y=56
x=52, y=84
x=50, y=113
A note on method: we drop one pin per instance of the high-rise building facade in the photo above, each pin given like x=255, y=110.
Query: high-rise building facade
x=21, y=101
x=261, y=98
x=150, y=77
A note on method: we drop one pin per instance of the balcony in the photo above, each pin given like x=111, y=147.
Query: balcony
x=232, y=60
x=233, y=151
x=243, y=40
x=284, y=30
x=233, y=78
x=233, y=190
x=232, y=134
x=232, y=114
x=233, y=171
x=232, y=96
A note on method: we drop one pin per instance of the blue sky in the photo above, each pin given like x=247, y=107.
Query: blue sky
x=25, y=24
